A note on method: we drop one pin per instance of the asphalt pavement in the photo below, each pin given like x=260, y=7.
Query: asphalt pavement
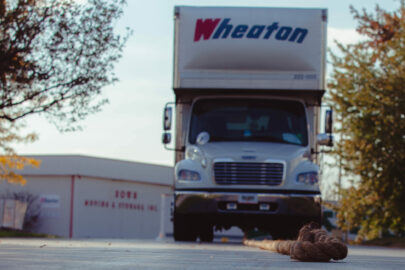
x=27, y=254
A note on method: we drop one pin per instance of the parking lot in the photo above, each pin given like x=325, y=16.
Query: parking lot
x=166, y=254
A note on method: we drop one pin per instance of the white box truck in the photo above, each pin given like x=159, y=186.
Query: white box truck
x=248, y=85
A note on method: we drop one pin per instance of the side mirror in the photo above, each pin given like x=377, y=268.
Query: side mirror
x=166, y=138
x=167, y=118
x=328, y=122
x=325, y=139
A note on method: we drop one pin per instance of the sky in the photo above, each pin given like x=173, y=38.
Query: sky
x=130, y=126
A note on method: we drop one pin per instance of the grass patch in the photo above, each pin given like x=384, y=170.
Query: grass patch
x=5, y=233
x=397, y=242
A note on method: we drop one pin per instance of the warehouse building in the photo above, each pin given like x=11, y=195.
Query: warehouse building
x=86, y=197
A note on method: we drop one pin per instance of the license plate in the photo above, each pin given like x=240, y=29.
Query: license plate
x=248, y=199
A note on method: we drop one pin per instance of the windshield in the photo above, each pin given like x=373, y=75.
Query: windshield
x=260, y=120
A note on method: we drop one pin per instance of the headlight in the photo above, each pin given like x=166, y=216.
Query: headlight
x=309, y=178
x=195, y=153
x=187, y=175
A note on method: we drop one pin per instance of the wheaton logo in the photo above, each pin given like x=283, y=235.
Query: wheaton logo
x=204, y=28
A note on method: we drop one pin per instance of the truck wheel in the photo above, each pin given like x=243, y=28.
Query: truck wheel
x=206, y=233
x=183, y=229
x=283, y=236
x=286, y=234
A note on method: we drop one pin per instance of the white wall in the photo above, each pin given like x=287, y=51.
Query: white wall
x=102, y=208
x=116, y=209
x=54, y=214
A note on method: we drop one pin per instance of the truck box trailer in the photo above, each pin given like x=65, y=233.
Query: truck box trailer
x=248, y=86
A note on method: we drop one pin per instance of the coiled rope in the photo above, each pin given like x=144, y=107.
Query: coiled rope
x=312, y=245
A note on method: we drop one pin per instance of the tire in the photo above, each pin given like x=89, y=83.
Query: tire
x=183, y=229
x=206, y=233
x=285, y=234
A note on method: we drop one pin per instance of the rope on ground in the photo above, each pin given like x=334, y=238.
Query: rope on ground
x=312, y=245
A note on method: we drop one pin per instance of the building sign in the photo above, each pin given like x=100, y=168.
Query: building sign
x=49, y=201
x=50, y=205
x=123, y=199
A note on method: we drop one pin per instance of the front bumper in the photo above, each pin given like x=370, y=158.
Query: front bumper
x=282, y=208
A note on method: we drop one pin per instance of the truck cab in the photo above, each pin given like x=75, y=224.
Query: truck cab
x=246, y=129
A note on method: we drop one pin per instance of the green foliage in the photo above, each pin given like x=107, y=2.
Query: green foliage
x=10, y=163
x=7, y=233
x=55, y=57
x=367, y=90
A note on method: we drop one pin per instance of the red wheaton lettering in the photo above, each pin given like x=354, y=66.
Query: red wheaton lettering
x=205, y=28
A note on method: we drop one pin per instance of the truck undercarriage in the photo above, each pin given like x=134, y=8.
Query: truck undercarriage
x=199, y=213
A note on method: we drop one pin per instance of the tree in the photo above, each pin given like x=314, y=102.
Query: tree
x=55, y=57
x=9, y=133
x=367, y=90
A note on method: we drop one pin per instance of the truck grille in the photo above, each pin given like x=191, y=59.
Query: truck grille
x=243, y=173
